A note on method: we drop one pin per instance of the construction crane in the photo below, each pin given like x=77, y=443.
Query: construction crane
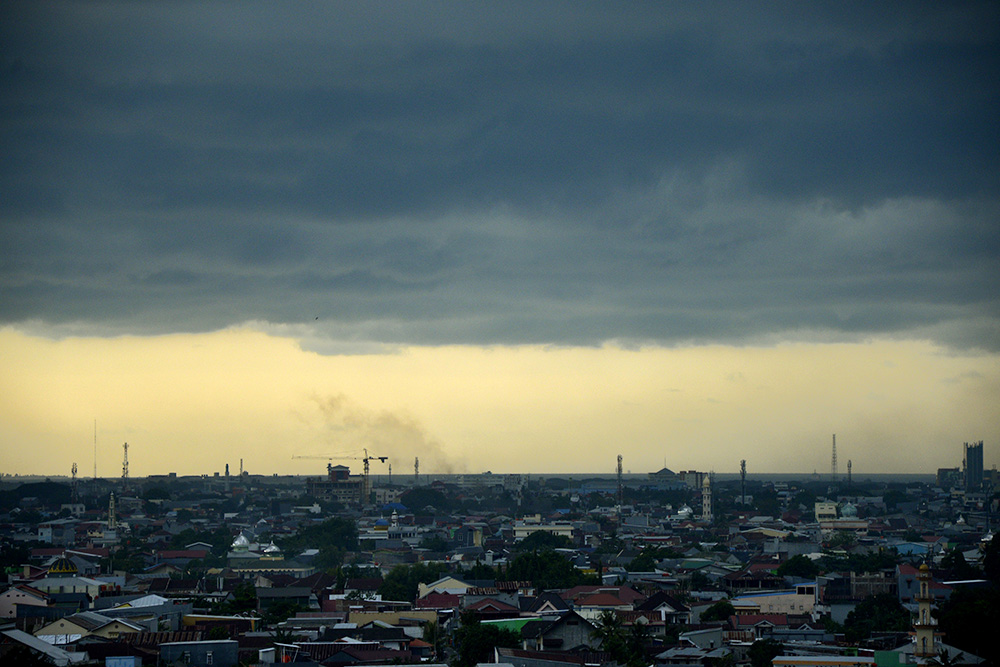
x=366, y=489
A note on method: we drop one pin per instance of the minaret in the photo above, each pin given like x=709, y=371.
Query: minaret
x=112, y=519
x=706, y=500
x=925, y=623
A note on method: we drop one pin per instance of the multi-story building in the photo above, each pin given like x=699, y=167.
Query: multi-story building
x=337, y=485
x=973, y=465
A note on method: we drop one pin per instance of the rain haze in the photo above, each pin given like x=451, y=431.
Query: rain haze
x=518, y=237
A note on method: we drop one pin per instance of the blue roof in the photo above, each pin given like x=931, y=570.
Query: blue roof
x=399, y=507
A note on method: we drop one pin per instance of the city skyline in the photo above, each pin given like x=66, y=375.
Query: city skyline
x=512, y=237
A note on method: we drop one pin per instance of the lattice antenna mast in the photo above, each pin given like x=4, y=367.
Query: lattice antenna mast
x=621, y=496
x=125, y=469
x=833, y=465
x=743, y=482
x=95, y=449
x=416, y=471
x=848, y=472
x=75, y=490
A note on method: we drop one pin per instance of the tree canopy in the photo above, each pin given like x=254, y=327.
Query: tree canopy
x=720, y=611
x=881, y=612
x=475, y=641
x=546, y=569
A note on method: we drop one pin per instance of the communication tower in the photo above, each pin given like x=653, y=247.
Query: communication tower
x=743, y=482
x=75, y=492
x=848, y=472
x=621, y=495
x=125, y=469
x=416, y=471
x=833, y=466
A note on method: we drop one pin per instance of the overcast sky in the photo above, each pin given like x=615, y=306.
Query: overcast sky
x=366, y=177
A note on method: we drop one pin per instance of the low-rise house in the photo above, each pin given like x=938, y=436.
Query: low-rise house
x=22, y=594
x=568, y=632
x=84, y=624
x=208, y=653
x=668, y=609
x=299, y=595
x=800, y=600
x=15, y=640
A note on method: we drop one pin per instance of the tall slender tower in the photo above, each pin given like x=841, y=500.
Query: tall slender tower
x=833, y=467
x=95, y=449
x=706, y=499
x=925, y=623
x=112, y=518
x=848, y=472
x=75, y=492
x=416, y=471
x=621, y=493
x=125, y=470
x=743, y=482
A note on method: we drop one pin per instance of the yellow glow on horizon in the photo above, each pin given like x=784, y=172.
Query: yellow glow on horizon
x=192, y=403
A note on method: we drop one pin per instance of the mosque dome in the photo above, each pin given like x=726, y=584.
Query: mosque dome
x=848, y=510
x=63, y=566
x=241, y=543
x=272, y=548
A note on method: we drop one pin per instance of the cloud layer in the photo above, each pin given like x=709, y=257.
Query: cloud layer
x=513, y=173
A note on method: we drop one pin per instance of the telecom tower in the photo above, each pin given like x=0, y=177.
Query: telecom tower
x=833, y=467
x=743, y=482
x=75, y=492
x=706, y=499
x=621, y=495
x=848, y=472
x=416, y=471
x=125, y=470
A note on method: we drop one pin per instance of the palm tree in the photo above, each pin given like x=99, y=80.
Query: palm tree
x=608, y=629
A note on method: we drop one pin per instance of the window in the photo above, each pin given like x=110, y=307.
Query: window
x=208, y=658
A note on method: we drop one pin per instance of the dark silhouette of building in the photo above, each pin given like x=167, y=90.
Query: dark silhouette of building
x=973, y=465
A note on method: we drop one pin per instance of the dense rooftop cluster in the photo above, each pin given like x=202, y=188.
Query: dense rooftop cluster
x=663, y=569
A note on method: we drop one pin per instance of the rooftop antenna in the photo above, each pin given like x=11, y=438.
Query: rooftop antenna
x=833, y=466
x=125, y=469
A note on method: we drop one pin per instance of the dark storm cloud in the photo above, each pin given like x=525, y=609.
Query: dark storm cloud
x=503, y=173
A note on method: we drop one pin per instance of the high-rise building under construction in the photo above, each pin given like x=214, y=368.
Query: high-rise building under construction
x=973, y=463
